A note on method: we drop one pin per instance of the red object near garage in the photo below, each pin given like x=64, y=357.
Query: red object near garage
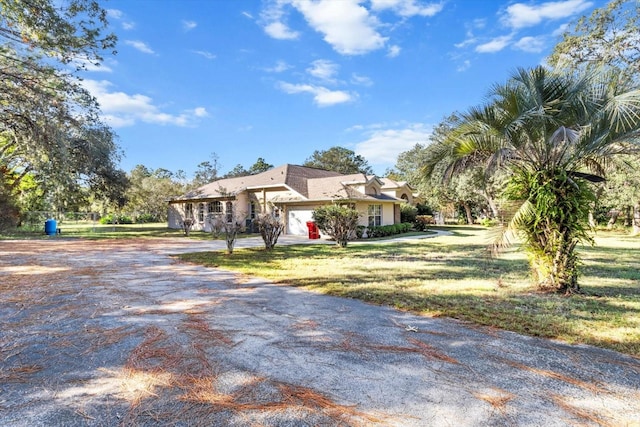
x=314, y=233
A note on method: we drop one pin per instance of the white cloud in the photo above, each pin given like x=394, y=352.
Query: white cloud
x=530, y=44
x=382, y=146
x=204, y=53
x=322, y=96
x=393, y=51
x=139, y=45
x=560, y=30
x=464, y=66
x=200, y=112
x=351, y=27
x=189, y=25
x=324, y=70
x=114, y=14
x=494, y=45
x=280, y=67
x=280, y=31
x=121, y=109
x=408, y=8
x=476, y=24
x=118, y=15
x=361, y=80
x=346, y=25
x=520, y=15
x=466, y=42
x=247, y=14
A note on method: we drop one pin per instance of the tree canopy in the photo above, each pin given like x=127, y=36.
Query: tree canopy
x=49, y=124
x=610, y=37
x=339, y=159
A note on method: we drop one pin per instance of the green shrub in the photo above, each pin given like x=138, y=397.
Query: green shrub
x=116, y=219
x=146, y=218
x=389, y=230
x=488, y=222
x=338, y=221
x=423, y=222
x=408, y=213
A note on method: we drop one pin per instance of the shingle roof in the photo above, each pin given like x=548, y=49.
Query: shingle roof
x=390, y=183
x=309, y=183
x=292, y=176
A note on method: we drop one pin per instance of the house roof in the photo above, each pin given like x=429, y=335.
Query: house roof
x=308, y=184
x=287, y=176
x=388, y=183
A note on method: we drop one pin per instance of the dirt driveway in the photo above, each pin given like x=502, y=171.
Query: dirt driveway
x=118, y=333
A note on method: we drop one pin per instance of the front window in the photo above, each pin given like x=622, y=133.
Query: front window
x=214, y=207
x=201, y=212
x=252, y=210
x=229, y=212
x=188, y=210
x=375, y=215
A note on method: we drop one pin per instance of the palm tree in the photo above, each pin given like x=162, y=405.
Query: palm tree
x=553, y=133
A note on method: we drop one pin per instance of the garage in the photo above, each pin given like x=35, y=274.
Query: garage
x=297, y=221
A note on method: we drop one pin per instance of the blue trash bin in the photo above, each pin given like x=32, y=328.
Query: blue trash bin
x=50, y=227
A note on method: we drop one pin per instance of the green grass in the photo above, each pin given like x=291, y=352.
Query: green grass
x=454, y=277
x=88, y=230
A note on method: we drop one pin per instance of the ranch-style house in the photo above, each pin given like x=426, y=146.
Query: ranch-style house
x=292, y=193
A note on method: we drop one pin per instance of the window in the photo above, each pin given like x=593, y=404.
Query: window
x=188, y=210
x=214, y=207
x=200, y=212
x=229, y=212
x=375, y=215
x=252, y=210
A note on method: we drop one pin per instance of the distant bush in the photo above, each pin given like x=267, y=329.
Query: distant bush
x=116, y=219
x=488, y=222
x=146, y=218
x=423, y=222
x=424, y=209
x=408, y=213
x=388, y=230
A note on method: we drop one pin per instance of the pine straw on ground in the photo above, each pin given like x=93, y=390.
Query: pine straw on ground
x=183, y=377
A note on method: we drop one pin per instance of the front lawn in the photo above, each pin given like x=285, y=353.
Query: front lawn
x=95, y=231
x=453, y=276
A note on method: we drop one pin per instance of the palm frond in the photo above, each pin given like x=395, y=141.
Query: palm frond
x=508, y=234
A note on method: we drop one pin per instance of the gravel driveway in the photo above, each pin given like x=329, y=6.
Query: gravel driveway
x=107, y=333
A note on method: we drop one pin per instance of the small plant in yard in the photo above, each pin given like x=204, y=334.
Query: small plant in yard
x=422, y=222
x=270, y=229
x=220, y=225
x=338, y=221
x=186, y=225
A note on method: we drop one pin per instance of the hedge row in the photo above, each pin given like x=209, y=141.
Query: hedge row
x=389, y=230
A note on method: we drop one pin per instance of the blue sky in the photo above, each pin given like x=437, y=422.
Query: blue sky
x=279, y=79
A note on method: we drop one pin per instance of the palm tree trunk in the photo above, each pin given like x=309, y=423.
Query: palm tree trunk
x=557, y=271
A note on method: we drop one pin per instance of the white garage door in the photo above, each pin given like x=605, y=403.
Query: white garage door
x=297, y=221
